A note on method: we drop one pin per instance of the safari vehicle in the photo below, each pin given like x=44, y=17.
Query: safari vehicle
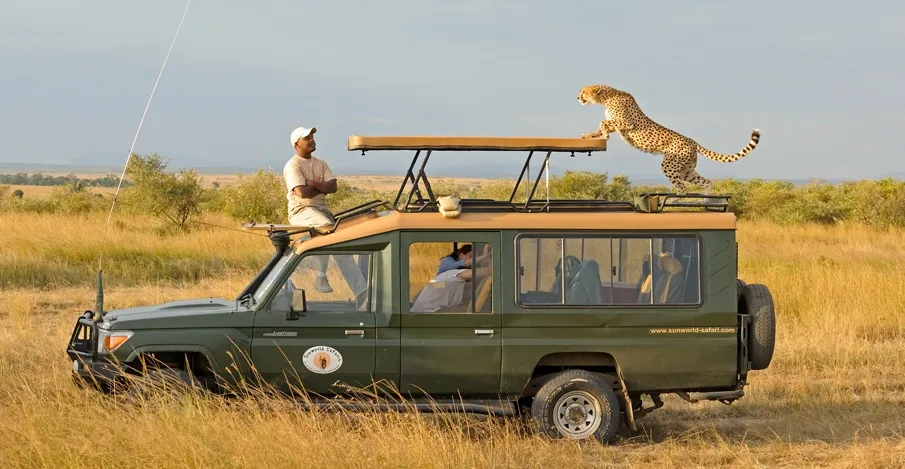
x=571, y=310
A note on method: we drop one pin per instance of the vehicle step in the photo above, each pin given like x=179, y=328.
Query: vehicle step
x=442, y=406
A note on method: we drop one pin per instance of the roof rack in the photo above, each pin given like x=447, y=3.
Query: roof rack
x=416, y=201
x=433, y=143
x=656, y=202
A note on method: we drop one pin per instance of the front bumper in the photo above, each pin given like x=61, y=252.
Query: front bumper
x=88, y=366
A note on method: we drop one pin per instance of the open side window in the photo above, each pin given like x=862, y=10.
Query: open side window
x=450, y=276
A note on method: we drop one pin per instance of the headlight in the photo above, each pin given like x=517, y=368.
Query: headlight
x=107, y=341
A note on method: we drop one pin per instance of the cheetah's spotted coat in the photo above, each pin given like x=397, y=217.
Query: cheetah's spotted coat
x=680, y=153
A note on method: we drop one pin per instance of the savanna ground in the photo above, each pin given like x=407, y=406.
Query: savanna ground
x=834, y=395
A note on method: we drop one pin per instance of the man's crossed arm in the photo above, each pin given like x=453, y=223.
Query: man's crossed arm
x=313, y=188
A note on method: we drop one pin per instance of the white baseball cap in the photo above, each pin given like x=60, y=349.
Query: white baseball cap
x=301, y=132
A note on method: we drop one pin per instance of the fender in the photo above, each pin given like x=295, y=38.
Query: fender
x=177, y=348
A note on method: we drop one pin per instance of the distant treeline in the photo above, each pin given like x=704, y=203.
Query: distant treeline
x=179, y=199
x=38, y=179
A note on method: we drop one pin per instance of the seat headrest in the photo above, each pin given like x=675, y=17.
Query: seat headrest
x=670, y=265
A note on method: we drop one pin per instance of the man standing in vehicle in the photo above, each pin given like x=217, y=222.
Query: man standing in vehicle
x=308, y=181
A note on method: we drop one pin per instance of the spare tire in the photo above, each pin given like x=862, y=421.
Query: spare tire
x=762, y=332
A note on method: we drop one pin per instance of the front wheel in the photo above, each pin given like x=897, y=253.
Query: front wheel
x=576, y=404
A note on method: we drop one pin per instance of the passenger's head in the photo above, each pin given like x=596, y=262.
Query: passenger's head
x=462, y=253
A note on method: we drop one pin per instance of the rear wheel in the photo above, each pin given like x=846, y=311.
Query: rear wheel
x=576, y=404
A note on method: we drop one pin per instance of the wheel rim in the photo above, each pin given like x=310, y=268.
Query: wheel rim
x=577, y=414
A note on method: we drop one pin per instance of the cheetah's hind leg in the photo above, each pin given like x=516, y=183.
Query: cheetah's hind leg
x=671, y=169
x=693, y=177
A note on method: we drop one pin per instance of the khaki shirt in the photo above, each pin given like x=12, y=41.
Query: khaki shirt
x=297, y=171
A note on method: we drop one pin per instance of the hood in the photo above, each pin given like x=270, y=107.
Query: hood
x=175, y=314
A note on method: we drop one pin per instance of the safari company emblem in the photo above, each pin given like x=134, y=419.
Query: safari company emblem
x=322, y=359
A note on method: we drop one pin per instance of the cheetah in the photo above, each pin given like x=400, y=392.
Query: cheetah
x=680, y=153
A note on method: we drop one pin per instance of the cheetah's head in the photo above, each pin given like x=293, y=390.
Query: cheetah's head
x=595, y=94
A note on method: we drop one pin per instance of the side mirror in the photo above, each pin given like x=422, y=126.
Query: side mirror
x=299, y=305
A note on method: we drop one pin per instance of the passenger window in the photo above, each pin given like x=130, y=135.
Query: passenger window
x=632, y=265
x=573, y=271
x=678, y=278
x=539, y=265
x=605, y=271
x=588, y=275
x=450, y=277
x=332, y=283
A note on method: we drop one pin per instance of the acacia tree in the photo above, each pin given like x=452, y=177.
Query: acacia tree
x=175, y=198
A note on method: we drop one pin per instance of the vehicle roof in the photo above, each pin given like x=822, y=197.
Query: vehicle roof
x=447, y=143
x=391, y=220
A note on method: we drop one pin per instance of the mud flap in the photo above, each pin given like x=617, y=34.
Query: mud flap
x=626, y=401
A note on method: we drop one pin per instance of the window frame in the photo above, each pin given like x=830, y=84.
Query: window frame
x=650, y=237
x=291, y=267
x=461, y=237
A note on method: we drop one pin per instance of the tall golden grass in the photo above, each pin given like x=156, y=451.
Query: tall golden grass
x=834, y=395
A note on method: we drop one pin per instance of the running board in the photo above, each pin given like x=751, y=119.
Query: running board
x=725, y=397
x=441, y=406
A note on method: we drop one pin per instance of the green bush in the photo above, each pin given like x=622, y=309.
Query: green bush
x=175, y=198
x=260, y=196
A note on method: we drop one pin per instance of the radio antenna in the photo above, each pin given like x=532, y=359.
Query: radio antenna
x=99, y=302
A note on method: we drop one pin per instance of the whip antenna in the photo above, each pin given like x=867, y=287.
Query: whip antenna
x=99, y=305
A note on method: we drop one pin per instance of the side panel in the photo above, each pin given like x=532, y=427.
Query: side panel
x=280, y=358
x=659, y=347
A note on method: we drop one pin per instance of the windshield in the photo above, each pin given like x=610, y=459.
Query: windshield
x=271, y=277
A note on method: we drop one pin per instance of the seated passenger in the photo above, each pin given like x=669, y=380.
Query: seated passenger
x=462, y=257
x=457, y=259
x=446, y=290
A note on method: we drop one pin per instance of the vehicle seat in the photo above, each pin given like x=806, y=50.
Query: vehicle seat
x=572, y=265
x=585, y=288
x=482, y=296
x=654, y=269
x=670, y=285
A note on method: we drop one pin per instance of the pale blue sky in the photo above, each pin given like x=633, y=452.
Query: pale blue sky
x=823, y=80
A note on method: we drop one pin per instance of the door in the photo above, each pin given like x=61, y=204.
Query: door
x=451, y=336
x=328, y=338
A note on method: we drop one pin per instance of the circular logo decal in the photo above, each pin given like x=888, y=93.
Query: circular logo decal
x=322, y=359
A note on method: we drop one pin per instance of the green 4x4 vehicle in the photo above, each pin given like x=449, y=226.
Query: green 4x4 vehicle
x=564, y=312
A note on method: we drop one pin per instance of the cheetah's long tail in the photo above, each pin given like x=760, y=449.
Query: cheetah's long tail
x=755, y=137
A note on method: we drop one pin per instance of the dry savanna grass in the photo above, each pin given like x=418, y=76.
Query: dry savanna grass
x=834, y=395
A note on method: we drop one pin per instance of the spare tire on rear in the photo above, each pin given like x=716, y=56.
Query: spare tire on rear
x=762, y=333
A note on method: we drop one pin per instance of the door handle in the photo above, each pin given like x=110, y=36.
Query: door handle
x=355, y=332
x=483, y=332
